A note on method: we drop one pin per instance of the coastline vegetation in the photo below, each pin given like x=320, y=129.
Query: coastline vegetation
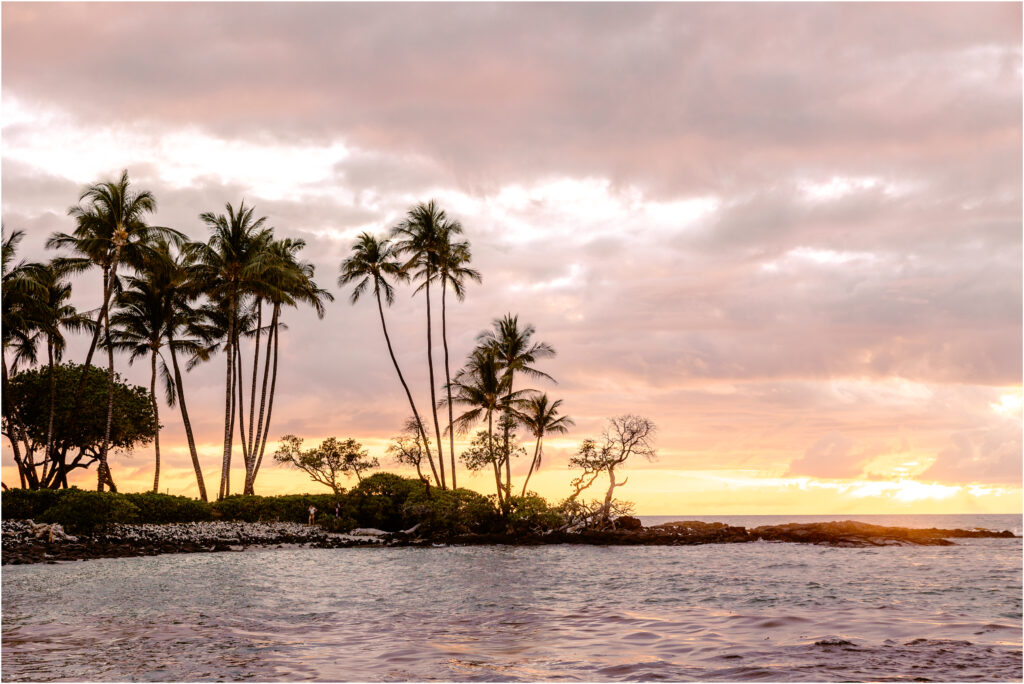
x=172, y=302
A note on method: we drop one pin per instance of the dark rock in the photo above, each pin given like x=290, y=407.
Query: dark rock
x=629, y=523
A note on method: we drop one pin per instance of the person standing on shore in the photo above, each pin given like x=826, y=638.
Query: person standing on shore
x=312, y=513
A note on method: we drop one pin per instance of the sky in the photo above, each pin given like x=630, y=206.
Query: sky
x=789, y=234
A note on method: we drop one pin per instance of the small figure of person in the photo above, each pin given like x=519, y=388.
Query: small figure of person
x=312, y=513
x=337, y=511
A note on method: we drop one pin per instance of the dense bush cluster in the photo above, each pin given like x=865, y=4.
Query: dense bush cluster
x=383, y=501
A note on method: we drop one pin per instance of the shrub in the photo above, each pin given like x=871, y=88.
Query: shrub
x=164, y=508
x=532, y=514
x=450, y=512
x=28, y=504
x=86, y=512
x=288, y=508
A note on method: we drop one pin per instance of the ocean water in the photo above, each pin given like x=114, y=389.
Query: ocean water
x=783, y=612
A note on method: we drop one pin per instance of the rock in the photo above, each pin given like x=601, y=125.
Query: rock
x=628, y=522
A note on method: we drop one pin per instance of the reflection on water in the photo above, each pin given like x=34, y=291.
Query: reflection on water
x=727, y=612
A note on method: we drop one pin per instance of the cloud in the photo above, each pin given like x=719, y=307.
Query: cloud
x=762, y=244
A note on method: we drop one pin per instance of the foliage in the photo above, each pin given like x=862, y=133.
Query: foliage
x=164, y=508
x=79, y=511
x=447, y=512
x=481, y=454
x=28, y=504
x=383, y=500
x=26, y=405
x=287, y=508
x=328, y=462
x=532, y=514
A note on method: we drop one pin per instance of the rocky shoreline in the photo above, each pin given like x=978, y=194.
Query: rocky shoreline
x=27, y=542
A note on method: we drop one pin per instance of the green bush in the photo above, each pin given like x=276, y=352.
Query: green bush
x=532, y=514
x=450, y=512
x=288, y=508
x=164, y=508
x=28, y=504
x=84, y=512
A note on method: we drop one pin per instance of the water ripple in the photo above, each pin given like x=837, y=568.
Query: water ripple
x=557, y=613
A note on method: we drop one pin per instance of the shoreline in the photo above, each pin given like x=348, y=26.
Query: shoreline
x=25, y=542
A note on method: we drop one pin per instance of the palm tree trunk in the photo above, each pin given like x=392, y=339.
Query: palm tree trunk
x=188, y=425
x=448, y=378
x=156, y=417
x=53, y=399
x=103, y=470
x=240, y=386
x=255, y=367
x=107, y=290
x=225, y=467
x=401, y=378
x=508, y=473
x=15, y=447
x=533, y=464
x=494, y=463
x=261, y=437
x=433, y=396
x=270, y=403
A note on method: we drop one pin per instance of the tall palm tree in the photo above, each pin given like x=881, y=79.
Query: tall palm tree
x=418, y=237
x=515, y=350
x=372, y=262
x=541, y=417
x=111, y=231
x=229, y=266
x=286, y=282
x=453, y=267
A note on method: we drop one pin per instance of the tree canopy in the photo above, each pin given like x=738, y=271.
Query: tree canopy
x=26, y=414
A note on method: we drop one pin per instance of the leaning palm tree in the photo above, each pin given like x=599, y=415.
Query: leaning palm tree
x=540, y=417
x=111, y=232
x=373, y=261
x=453, y=267
x=229, y=266
x=418, y=238
x=139, y=328
x=183, y=334
x=515, y=350
x=286, y=282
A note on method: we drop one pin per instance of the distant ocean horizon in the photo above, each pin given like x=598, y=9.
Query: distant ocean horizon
x=988, y=521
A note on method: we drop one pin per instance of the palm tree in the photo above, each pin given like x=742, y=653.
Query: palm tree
x=53, y=315
x=541, y=417
x=373, y=261
x=483, y=387
x=111, y=232
x=139, y=328
x=453, y=268
x=286, y=282
x=20, y=290
x=183, y=333
x=516, y=352
x=229, y=266
x=419, y=238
